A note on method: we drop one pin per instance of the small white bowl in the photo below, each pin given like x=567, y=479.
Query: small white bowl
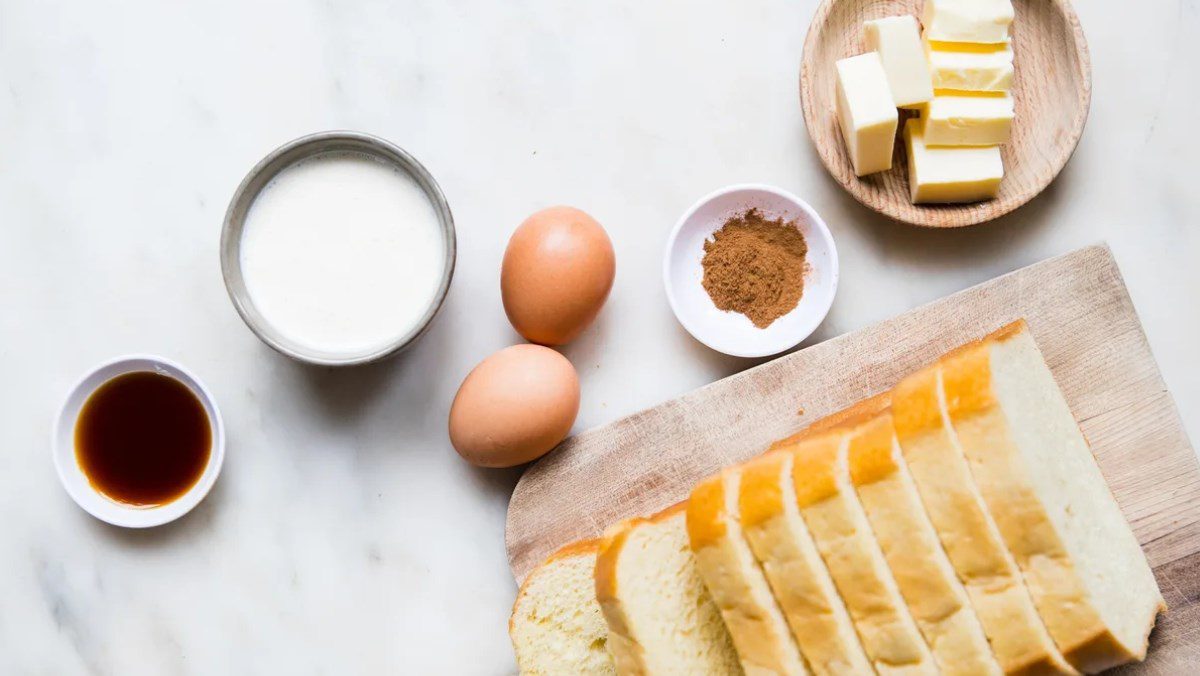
x=731, y=332
x=76, y=482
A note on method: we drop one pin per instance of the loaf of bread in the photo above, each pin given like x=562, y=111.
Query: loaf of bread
x=1081, y=562
x=661, y=618
x=556, y=625
x=784, y=547
x=957, y=524
x=736, y=581
x=835, y=517
x=968, y=534
x=936, y=598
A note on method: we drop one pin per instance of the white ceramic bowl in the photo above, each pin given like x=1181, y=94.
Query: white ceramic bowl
x=731, y=332
x=77, y=484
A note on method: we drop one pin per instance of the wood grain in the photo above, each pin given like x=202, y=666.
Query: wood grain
x=1052, y=88
x=1082, y=318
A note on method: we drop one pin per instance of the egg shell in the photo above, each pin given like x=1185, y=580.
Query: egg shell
x=557, y=272
x=514, y=406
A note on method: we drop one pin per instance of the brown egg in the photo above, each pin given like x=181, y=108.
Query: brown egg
x=558, y=269
x=514, y=406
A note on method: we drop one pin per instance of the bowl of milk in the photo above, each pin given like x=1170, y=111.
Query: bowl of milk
x=338, y=249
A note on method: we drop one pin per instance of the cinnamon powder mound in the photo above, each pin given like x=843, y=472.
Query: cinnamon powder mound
x=755, y=267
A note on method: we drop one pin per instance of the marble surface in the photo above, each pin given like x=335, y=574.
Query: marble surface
x=345, y=536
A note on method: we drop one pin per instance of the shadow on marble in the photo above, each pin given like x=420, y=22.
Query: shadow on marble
x=496, y=482
x=719, y=362
x=188, y=527
x=586, y=351
x=342, y=395
x=961, y=247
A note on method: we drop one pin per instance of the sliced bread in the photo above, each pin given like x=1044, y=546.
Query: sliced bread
x=661, y=619
x=1082, y=564
x=934, y=595
x=831, y=510
x=969, y=537
x=736, y=582
x=556, y=625
x=781, y=542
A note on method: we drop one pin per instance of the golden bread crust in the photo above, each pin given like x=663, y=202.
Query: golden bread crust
x=705, y=513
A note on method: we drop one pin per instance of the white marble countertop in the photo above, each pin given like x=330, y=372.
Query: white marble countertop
x=345, y=536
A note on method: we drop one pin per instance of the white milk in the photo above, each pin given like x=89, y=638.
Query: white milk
x=342, y=253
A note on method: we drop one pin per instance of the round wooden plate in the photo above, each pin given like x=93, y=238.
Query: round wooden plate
x=1052, y=88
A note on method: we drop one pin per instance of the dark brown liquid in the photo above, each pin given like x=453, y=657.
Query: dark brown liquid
x=143, y=439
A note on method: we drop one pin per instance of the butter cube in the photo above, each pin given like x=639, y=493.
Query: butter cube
x=984, y=21
x=950, y=175
x=898, y=42
x=963, y=67
x=966, y=119
x=866, y=113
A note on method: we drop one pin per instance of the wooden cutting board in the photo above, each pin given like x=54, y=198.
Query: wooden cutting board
x=1080, y=313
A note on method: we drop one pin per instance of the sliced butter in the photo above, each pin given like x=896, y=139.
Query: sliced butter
x=866, y=113
x=973, y=70
x=898, y=41
x=950, y=174
x=980, y=21
x=964, y=119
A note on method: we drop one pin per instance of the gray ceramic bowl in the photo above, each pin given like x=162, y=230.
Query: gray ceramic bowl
x=262, y=173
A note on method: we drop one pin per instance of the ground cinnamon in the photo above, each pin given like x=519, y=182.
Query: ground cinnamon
x=755, y=266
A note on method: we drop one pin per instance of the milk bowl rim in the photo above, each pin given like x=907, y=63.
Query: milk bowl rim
x=287, y=155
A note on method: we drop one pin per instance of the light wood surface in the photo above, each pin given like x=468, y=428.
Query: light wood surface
x=1081, y=316
x=1051, y=86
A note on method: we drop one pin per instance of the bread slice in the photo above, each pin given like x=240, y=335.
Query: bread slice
x=833, y=514
x=1082, y=563
x=556, y=625
x=661, y=619
x=934, y=595
x=772, y=524
x=735, y=580
x=993, y=582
